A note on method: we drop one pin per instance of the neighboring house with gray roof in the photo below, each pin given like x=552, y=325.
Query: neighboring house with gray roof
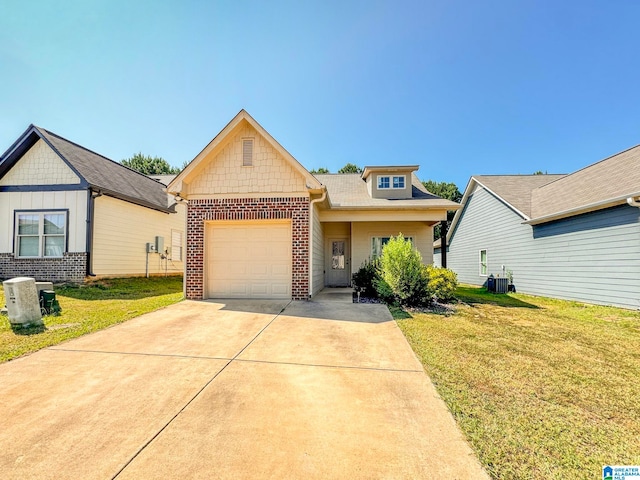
x=69, y=213
x=573, y=236
x=260, y=225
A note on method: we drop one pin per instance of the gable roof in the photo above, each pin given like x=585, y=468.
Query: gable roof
x=515, y=190
x=95, y=171
x=349, y=191
x=191, y=170
x=603, y=184
x=512, y=190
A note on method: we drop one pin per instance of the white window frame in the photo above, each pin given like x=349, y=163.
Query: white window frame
x=248, y=156
x=483, y=265
x=377, y=242
x=391, y=181
x=398, y=177
x=41, y=235
x=176, y=247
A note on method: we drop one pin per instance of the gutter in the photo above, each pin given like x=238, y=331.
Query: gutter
x=634, y=202
x=311, y=209
x=612, y=202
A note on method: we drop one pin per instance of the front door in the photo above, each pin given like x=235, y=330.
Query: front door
x=338, y=271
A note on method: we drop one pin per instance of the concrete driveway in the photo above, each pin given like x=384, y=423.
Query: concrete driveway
x=244, y=389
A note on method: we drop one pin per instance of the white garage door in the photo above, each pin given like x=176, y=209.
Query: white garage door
x=248, y=259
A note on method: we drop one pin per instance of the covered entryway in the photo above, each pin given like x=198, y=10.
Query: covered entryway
x=248, y=259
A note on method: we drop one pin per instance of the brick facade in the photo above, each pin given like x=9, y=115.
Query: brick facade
x=72, y=267
x=200, y=211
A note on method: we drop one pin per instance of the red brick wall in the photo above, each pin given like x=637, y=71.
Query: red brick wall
x=294, y=208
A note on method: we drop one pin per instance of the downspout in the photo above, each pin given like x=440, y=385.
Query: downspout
x=184, y=202
x=311, y=209
x=443, y=243
x=90, y=214
x=634, y=202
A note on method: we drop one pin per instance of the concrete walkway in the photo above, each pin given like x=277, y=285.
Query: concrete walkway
x=321, y=389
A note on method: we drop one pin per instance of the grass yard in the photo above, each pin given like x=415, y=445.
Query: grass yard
x=89, y=308
x=542, y=388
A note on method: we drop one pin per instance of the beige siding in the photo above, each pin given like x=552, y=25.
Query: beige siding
x=121, y=232
x=375, y=192
x=40, y=166
x=224, y=174
x=317, y=255
x=75, y=201
x=397, y=215
x=362, y=232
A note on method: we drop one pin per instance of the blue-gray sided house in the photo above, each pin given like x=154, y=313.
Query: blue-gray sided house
x=573, y=236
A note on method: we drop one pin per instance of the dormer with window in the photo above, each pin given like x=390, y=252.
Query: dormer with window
x=389, y=182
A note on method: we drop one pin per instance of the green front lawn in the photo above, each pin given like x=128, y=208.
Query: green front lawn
x=542, y=388
x=89, y=308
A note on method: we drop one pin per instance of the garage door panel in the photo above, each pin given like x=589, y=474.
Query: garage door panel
x=248, y=260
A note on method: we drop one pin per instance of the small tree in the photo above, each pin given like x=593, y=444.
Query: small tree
x=149, y=165
x=320, y=170
x=350, y=168
x=402, y=273
x=446, y=190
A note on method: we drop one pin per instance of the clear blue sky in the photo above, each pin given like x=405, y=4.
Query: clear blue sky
x=460, y=87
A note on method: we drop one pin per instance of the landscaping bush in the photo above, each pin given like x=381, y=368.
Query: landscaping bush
x=364, y=280
x=442, y=283
x=402, y=272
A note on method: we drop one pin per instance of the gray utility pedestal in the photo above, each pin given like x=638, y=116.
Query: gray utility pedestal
x=23, y=303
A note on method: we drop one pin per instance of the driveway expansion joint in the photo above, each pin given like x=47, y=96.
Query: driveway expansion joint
x=197, y=394
x=342, y=367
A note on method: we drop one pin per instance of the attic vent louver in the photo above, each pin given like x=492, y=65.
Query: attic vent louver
x=247, y=152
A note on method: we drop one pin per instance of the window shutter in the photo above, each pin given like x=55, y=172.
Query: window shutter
x=247, y=152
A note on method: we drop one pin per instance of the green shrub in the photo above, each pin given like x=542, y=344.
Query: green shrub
x=364, y=280
x=442, y=283
x=402, y=270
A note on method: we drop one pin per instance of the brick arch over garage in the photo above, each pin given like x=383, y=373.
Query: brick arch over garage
x=200, y=211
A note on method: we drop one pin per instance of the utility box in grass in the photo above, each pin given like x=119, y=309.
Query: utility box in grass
x=23, y=302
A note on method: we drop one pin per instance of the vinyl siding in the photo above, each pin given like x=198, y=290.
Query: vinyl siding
x=317, y=255
x=74, y=200
x=362, y=232
x=593, y=257
x=121, y=232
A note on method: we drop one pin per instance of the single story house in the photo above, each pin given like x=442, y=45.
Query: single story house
x=68, y=213
x=573, y=236
x=259, y=225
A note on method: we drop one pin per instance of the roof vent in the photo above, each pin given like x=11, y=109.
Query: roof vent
x=247, y=152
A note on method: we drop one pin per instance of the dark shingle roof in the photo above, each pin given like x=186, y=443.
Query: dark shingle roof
x=97, y=171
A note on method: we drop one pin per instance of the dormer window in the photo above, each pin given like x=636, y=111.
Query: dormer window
x=391, y=182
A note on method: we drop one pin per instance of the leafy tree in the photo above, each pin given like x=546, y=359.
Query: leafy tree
x=540, y=172
x=350, y=168
x=445, y=190
x=149, y=165
x=320, y=170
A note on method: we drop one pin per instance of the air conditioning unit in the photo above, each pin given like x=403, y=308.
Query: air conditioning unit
x=502, y=285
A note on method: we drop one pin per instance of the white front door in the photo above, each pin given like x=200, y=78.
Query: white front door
x=338, y=268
